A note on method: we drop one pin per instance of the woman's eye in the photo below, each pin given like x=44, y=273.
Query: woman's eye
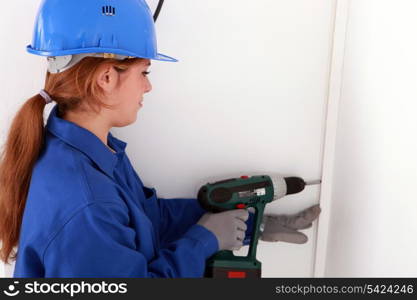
x=146, y=73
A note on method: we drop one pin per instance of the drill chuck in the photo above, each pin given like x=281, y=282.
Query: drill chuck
x=294, y=185
x=287, y=185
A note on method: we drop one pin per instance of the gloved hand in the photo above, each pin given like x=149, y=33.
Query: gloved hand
x=229, y=227
x=284, y=227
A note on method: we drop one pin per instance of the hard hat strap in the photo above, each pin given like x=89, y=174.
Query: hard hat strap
x=57, y=64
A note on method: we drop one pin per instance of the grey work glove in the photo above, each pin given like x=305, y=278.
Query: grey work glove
x=229, y=227
x=284, y=227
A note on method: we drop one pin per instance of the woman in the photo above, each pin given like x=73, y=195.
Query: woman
x=70, y=199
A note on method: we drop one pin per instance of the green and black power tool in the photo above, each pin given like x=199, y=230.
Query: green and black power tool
x=244, y=192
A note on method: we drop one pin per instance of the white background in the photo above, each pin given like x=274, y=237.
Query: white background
x=373, y=227
x=269, y=87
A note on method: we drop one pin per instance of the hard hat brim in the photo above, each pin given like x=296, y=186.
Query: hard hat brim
x=158, y=56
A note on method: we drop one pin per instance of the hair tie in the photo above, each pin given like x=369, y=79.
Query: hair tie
x=45, y=96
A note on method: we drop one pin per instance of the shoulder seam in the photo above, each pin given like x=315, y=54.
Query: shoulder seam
x=69, y=220
x=77, y=166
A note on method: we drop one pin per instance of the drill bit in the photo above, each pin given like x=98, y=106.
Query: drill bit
x=312, y=182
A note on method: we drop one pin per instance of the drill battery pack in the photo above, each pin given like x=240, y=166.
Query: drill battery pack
x=225, y=264
x=218, y=272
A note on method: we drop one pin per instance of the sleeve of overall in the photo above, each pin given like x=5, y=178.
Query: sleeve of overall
x=97, y=242
x=175, y=216
x=172, y=217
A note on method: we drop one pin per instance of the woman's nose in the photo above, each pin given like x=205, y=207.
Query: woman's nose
x=148, y=86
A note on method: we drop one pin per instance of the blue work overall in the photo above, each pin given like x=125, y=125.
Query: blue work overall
x=88, y=214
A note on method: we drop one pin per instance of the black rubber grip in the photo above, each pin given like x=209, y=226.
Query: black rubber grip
x=294, y=185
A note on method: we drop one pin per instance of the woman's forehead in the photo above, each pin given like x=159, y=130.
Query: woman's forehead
x=145, y=62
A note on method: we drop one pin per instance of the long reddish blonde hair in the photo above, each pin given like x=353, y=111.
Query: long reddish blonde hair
x=25, y=139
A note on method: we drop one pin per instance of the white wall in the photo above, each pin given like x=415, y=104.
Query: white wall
x=249, y=96
x=373, y=226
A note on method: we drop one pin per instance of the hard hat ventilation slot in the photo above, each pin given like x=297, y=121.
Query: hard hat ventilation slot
x=108, y=10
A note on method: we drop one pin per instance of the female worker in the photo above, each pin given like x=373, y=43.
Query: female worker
x=70, y=198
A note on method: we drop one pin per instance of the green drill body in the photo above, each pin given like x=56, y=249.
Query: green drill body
x=234, y=193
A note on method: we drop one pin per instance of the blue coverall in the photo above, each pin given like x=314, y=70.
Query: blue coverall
x=88, y=214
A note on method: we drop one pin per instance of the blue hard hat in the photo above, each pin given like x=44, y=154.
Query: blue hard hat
x=70, y=27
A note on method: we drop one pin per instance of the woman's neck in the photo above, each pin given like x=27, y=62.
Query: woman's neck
x=93, y=123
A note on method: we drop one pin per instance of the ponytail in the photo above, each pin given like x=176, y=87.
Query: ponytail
x=22, y=148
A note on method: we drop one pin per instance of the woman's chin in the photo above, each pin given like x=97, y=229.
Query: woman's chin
x=127, y=121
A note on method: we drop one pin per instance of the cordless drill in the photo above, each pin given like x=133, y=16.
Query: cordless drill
x=244, y=192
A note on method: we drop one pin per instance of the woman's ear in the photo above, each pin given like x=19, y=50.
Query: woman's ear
x=107, y=78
